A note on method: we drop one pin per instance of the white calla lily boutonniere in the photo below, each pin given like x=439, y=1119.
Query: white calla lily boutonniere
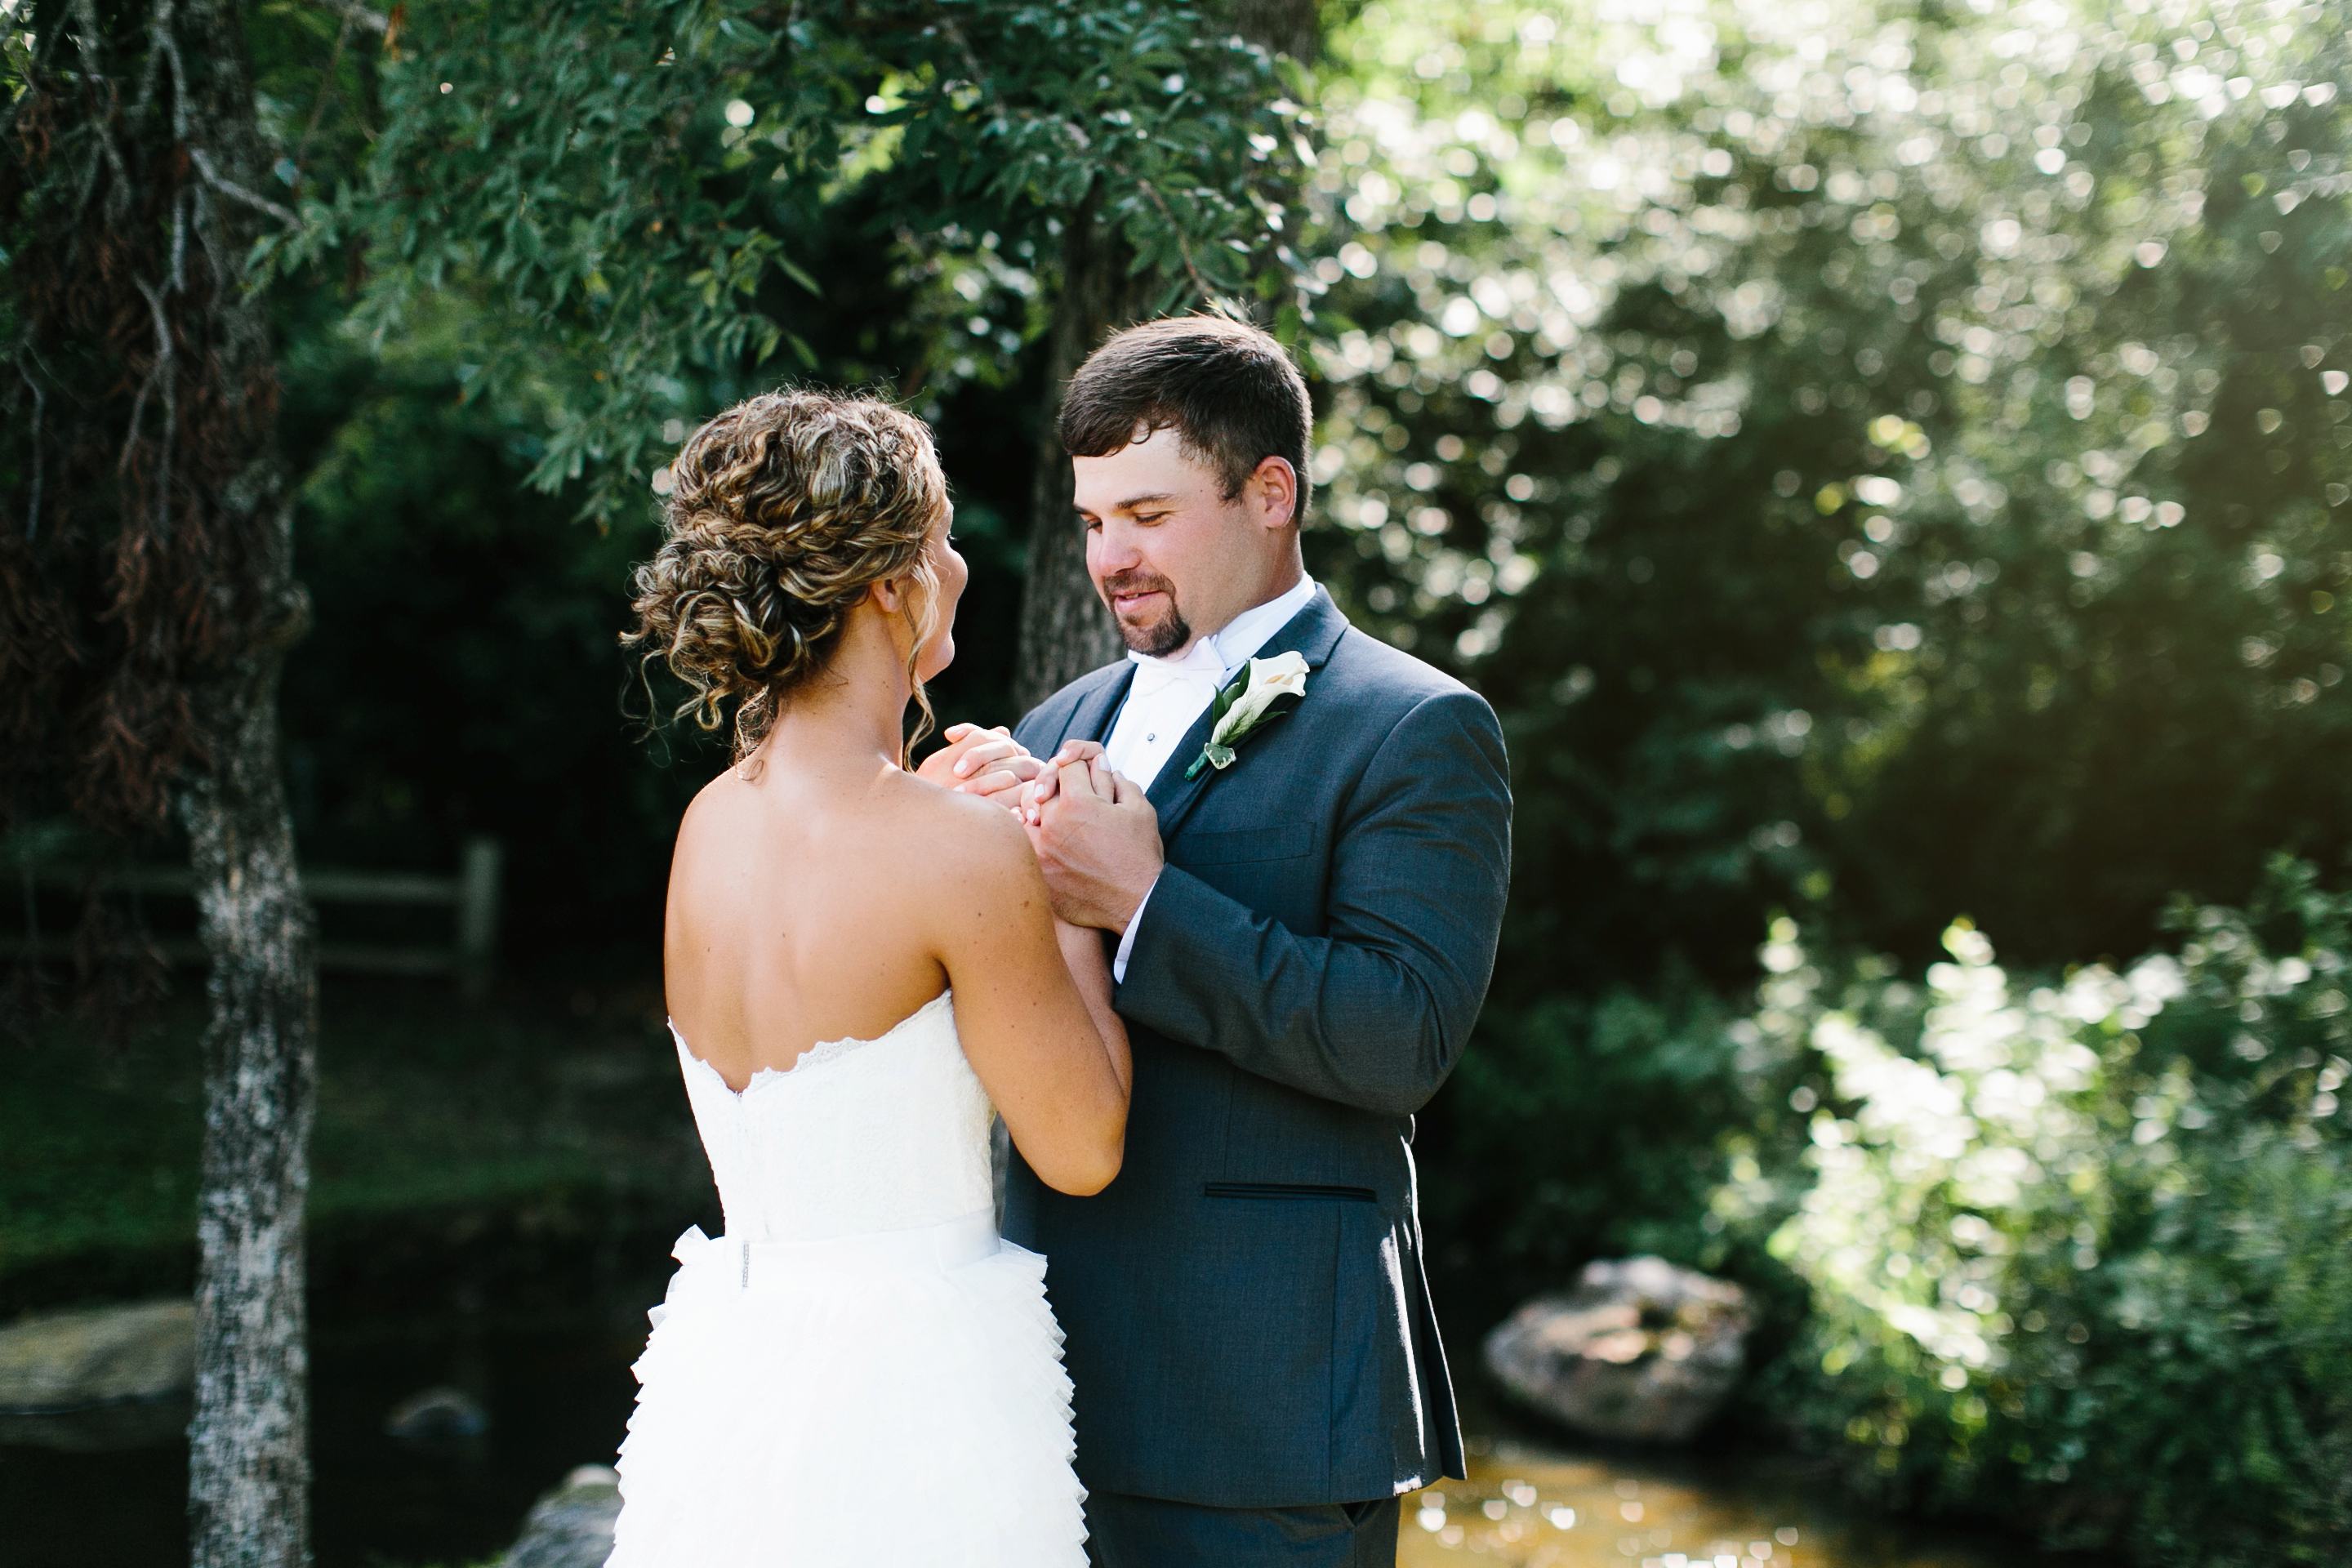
x=1256, y=696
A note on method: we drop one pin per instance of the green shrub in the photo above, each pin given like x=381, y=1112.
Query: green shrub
x=2088, y=1243
x=1578, y=1129
x=1583, y=1127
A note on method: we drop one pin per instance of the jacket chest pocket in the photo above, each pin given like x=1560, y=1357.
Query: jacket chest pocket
x=1290, y=1192
x=1250, y=845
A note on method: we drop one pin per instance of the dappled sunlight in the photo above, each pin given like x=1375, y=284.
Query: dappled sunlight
x=1529, y=1507
x=1996, y=1208
x=1887, y=469
x=1964, y=208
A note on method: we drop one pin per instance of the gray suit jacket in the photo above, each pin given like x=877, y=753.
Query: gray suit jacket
x=1248, y=1321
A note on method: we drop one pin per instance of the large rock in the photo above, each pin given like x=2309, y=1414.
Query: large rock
x=98, y=1355
x=1639, y=1351
x=100, y=1377
x=571, y=1527
x=438, y=1416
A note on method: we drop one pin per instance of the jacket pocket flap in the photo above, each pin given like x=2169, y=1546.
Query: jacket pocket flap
x=1295, y=1191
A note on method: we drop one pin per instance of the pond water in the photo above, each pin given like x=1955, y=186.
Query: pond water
x=533, y=1314
x=555, y=1384
x=1530, y=1505
x=557, y=1393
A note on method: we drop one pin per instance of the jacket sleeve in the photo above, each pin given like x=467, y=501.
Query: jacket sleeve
x=1375, y=1013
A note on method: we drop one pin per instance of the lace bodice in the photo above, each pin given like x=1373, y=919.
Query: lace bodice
x=856, y=1136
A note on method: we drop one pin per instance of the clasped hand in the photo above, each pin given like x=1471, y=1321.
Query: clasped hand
x=986, y=763
x=1096, y=835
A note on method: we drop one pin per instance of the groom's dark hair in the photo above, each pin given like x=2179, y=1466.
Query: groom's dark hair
x=1225, y=387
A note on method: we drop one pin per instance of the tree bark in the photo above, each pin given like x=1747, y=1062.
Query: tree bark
x=250, y=1458
x=1292, y=27
x=1065, y=630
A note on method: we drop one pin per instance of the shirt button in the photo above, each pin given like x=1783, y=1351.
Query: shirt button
x=1148, y=739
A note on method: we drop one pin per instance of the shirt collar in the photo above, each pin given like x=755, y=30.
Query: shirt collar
x=1227, y=649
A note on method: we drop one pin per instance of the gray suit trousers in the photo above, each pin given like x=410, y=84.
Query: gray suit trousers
x=1148, y=1532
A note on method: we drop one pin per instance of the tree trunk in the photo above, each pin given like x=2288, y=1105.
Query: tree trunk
x=1064, y=629
x=249, y=1445
x=249, y=1459
x=1292, y=27
x=159, y=547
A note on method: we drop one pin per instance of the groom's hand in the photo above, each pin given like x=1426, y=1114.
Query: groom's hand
x=986, y=763
x=1096, y=837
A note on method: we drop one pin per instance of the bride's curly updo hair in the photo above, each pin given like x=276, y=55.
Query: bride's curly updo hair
x=786, y=509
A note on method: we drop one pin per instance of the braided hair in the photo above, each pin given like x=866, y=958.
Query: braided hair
x=786, y=509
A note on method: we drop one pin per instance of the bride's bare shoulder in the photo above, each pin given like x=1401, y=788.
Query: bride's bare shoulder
x=724, y=797
x=954, y=835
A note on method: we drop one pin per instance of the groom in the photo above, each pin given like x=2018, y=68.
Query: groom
x=1305, y=921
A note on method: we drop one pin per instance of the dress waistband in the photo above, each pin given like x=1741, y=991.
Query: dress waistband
x=950, y=1244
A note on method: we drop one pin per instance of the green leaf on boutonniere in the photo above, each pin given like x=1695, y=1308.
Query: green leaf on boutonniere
x=1264, y=691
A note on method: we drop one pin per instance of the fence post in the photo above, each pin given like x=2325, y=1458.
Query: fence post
x=477, y=914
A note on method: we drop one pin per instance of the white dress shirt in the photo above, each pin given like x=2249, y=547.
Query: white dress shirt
x=1167, y=696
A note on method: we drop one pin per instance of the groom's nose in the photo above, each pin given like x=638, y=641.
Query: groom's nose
x=1111, y=549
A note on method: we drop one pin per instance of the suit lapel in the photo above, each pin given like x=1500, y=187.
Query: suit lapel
x=1314, y=631
x=1091, y=720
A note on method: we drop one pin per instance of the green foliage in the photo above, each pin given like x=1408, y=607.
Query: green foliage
x=1580, y=1128
x=2089, y=1242
x=634, y=191
x=423, y=1108
x=15, y=55
x=1807, y=425
x=1877, y=460
x=462, y=675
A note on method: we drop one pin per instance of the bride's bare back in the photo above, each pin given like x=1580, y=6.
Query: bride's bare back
x=805, y=582
x=829, y=900
x=800, y=911
x=819, y=893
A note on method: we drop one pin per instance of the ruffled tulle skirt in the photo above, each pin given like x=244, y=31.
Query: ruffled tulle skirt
x=876, y=1401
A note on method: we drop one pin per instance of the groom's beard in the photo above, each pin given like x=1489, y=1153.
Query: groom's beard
x=1158, y=631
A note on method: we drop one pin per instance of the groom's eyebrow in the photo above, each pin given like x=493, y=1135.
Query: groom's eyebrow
x=1131, y=502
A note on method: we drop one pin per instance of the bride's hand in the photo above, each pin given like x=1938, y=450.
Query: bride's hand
x=1048, y=780
x=986, y=763
x=1097, y=841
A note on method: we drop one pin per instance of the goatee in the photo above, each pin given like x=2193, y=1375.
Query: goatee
x=1158, y=639
x=1155, y=639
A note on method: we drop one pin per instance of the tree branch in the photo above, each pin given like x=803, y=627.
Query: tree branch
x=326, y=91
x=285, y=216
x=1182, y=249
x=357, y=15
x=33, y=506
x=163, y=373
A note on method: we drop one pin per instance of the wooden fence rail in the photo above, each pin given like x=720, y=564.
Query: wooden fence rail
x=473, y=894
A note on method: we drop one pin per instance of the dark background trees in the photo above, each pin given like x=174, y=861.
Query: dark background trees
x=931, y=201
x=1885, y=466
x=586, y=212
x=146, y=576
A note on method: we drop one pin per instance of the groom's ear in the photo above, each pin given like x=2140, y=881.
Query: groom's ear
x=1271, y=492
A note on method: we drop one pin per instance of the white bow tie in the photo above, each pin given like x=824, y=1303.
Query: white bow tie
x=1200, y=667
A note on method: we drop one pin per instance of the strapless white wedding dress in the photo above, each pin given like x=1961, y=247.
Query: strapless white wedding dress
x=860, y=1371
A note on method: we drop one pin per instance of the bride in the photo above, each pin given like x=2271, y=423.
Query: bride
x=860, y=963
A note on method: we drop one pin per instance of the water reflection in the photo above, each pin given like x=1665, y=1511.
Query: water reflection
x=552, y=1390
x=1530, y=1507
